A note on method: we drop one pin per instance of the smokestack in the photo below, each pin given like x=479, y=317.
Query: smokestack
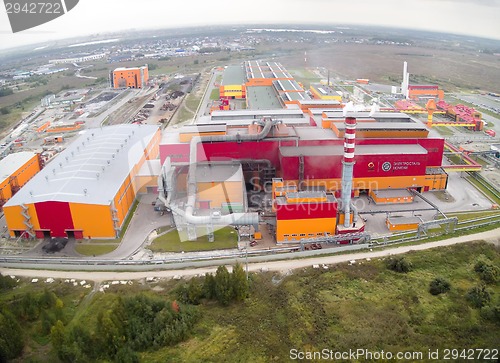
x=406, y=79
x=328, y=78
x=348, y=167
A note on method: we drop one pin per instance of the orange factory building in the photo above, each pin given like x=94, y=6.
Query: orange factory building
x=90, y=187
x=416, y=92
x=15, y=171
x=136, y=77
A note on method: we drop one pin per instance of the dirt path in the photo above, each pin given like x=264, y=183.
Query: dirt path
x=492, y=236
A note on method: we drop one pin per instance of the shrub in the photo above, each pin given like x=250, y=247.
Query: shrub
x=439, y=286
x=478, y=296
x=223, y=288
x=491, y=313
x=487, y=271
x=6, y=282
x=399, y=264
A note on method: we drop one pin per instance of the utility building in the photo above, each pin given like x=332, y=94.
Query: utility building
x=136, y=77
x=88, y=190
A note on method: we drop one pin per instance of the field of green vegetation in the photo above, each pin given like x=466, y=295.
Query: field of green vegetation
x=170, y=242
x=440, y=298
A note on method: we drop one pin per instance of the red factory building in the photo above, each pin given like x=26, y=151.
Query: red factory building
x=389, y=155
x=306, y=164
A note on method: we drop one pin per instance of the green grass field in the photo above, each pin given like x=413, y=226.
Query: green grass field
x=192, y=102
x=304, y=76
x=170, y=242
x=360, y=306
x=215, y=94
x=347, y=307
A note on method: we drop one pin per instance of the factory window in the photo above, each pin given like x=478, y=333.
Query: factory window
x=311, y=234
x=294, y=235
x=286, y=235
x=302, y=235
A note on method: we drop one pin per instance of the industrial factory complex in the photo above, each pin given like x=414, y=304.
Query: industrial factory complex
x=291, y=159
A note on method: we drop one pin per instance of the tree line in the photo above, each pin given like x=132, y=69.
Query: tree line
x=133, y=324
x=223, y=287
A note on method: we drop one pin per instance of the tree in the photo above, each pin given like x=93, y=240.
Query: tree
x=58, y=335
x=126, y=355
x=223, y=286
x=487, y=272
x=4, y=91
x=209, y=286
x=478, y=296
x=399, y=264
x=194, y=292
x=439, y=286
x=239, y=282
x=11, y=337
x=109, y=333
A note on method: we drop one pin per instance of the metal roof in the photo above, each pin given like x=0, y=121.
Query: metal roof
x=384, y=126
x=368, y=115
x=262, y=98
x=219, y=173
x=200, y=128
x=325, y=90
x=328, y=150
x=92, y=169
x=320, y=102
x=277, y=113
x=233, y=75
x=392, y=193
x=287, y=85
x=315, y=133
x=150, y=168
x=12, y=162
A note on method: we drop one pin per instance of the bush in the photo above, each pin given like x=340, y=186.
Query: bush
x=6, y=282
x=11, y=337
x=5, y=91
x=487, y=271
x=478, y=296
x=439, y=286
x=491, y=313
x=399, y=264
x=223, y=287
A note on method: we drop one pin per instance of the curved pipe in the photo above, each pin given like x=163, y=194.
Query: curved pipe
x=232, y=219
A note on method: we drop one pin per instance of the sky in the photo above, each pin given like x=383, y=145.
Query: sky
x=468, y=17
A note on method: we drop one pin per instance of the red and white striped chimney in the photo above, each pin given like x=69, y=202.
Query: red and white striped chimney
x=349, y=139
x=348, y=168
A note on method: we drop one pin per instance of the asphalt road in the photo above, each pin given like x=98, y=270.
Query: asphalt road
x=144, y=221
x=281, y=265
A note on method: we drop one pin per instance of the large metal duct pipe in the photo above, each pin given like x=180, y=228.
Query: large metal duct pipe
x=166, y=182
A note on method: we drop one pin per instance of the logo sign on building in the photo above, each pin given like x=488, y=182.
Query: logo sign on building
x=26, y=14
x=386, y=166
